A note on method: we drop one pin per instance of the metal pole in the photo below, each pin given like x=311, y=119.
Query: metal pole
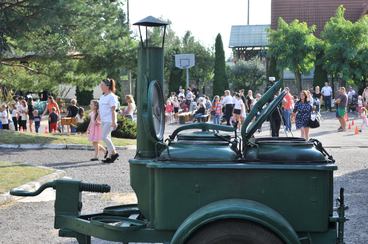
x=128, y=14
x=248, y=13
x=130, y=81
x=187, y=71
x=129, y=71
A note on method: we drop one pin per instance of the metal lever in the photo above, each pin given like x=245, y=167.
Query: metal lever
x=82, y=187
x=23, y=193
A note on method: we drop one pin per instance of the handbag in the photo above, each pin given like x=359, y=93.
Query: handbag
x=314, y=121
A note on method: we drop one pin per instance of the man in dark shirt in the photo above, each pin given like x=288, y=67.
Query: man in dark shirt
x=72, y=113
x=341, y=103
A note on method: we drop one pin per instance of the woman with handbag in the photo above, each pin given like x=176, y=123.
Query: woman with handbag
x=302, y=113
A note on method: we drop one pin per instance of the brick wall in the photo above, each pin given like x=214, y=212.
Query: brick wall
x=316, y=12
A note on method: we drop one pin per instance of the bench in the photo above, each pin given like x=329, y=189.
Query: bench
x=204, y=118
x=184, y=117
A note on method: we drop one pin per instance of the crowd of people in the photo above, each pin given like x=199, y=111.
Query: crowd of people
x=229, y=109
x=25, y=114
x=232, y=107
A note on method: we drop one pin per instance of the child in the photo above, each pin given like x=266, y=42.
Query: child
x=360, y=105
x=53, y=119
x=363, y=115
x=23, y=111
x=4, y=117
x=78, y=119
x=169, y=108
x=217, y=110
x=80, y=115
x=94, y=130
x=199, y=113
x=14, y=115
x=239, y=109
x=37, y=120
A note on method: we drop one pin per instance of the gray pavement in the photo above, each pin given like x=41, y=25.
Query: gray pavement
x=32, y=220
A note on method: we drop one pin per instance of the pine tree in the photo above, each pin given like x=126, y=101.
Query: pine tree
x=220, y=82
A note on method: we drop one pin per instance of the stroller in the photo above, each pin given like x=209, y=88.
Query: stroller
x=353, y=103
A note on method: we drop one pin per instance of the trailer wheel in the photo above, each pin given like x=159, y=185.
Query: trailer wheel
x=234, y=232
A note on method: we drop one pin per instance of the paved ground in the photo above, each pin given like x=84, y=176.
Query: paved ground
x=33, y=221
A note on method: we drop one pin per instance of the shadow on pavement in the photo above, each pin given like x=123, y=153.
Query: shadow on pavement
x=69, y=165
x=322, y=133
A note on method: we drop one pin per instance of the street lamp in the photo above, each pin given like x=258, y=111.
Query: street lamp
x=150, y=114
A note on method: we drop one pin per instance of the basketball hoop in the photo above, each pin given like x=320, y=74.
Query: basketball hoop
x=185, y=61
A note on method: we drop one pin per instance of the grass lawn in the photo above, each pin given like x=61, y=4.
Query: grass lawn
x=13, y=137
x=15, y=174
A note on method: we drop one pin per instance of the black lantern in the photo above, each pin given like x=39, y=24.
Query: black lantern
x=152, y=26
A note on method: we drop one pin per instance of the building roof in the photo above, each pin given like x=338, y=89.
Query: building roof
x=248, y=36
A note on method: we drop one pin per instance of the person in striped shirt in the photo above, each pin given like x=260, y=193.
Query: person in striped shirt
x=217, y=108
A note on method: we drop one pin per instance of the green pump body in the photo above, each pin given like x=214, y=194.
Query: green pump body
x=150, y=68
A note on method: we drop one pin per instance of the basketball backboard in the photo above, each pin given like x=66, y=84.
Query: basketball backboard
x=184, y=61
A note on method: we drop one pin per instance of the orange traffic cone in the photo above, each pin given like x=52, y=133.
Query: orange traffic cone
x=46, y=129
x=352, y=122
x=356, y=132
x=349, y=126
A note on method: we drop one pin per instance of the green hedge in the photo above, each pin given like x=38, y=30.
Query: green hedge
x=126, y=128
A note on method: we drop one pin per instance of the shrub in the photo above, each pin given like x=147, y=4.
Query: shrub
x=82, y=127
x=126, y=128
x=84, y=97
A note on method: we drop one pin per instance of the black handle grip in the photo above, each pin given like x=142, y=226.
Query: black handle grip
x=94, y=187
x=203, y=126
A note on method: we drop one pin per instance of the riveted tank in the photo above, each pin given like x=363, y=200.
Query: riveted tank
x=205, y=163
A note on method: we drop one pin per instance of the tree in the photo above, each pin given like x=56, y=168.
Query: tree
x=320, y=73
x=63, y=41
x=220, y=82
x=204, y=60
x=360, y=66
x=272, y=68
x=293, y=46
x=345, y=43
x=248, y=74
x=172, y=47
x=203, y=69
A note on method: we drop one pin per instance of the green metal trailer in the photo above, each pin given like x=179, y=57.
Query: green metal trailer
x=207, y=184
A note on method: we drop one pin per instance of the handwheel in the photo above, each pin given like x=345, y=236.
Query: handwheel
x=155, y=109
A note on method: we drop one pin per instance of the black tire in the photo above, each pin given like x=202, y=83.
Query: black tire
x=234, y=232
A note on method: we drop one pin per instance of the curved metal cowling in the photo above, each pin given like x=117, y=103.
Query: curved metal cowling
x=249, y=127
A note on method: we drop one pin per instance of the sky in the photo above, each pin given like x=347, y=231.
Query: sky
x=204, y=18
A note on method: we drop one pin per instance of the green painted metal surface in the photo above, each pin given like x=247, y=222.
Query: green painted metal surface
x=297, y=192
x=295, y=151
x=236, y=209
x=246, y=132
x=150, y=68
x=186, y=152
